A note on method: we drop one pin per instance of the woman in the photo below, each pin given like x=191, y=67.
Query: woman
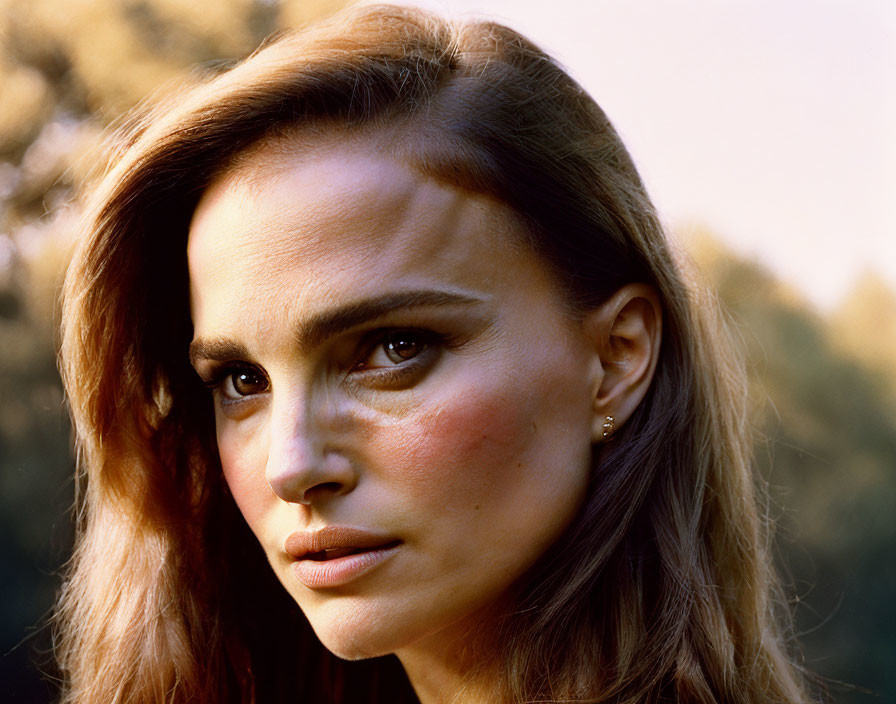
x=458, y=396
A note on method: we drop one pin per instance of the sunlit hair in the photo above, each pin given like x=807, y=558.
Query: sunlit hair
x=661, y=590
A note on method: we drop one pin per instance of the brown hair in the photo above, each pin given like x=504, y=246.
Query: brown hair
x=661, y=591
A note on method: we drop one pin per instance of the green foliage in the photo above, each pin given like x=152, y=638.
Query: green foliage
x=35, y=490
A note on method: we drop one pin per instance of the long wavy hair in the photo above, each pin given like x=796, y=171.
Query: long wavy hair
x=661, y=591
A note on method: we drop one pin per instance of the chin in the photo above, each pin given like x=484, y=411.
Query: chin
x=352, y=643
x=354, y=653
x=352, y=634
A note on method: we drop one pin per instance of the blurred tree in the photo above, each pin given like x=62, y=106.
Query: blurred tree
x=864, y=325
x=827, y=446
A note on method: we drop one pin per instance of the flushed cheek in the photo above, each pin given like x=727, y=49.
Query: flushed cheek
x=455, y=454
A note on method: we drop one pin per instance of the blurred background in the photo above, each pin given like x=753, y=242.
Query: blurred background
x=766, y=133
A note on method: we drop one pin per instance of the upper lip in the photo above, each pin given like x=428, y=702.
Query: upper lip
x=303, y=543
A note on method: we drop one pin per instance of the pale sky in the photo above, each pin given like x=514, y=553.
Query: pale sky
x=772, y=122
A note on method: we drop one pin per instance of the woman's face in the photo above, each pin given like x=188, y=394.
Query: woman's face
x=403, y=405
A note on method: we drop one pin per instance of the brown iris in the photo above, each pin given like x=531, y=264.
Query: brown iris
x=247, y=382
x=401, y=346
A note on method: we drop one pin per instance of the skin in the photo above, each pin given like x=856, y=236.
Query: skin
x=473, y=450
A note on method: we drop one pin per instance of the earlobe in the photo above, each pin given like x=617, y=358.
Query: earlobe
x=627, y=330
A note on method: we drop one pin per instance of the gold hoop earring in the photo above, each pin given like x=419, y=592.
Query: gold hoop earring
x=609, y=426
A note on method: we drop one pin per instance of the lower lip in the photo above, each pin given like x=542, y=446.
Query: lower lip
x=320, y=574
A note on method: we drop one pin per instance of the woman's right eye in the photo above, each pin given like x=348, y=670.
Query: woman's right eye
x=239, y=383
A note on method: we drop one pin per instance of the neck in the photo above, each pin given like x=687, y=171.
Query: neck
x=452, y=668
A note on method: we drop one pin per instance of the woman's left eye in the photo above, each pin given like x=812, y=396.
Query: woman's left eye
x=394, y=348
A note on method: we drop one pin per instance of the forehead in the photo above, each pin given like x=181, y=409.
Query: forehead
x=344, y=221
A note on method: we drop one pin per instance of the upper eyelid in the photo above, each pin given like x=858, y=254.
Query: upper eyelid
x=377, y=334
x=219, y=371
x=369, y=312
x=374, y=338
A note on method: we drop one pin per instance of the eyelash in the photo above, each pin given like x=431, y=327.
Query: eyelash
x=394, y=375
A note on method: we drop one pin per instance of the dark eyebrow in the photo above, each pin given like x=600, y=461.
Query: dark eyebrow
x=332, y=322
x=329, y=323
x=216, y=349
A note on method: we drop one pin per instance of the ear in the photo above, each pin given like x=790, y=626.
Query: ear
x=626, y=330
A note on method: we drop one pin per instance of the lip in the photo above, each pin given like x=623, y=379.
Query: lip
x=366, y=551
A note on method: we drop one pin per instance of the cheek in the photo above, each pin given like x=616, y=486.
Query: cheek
x=243, y=460
x=462, y=452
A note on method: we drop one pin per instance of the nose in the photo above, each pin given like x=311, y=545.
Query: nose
x=306, y=461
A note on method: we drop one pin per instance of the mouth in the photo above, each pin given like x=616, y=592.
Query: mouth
x=336, y=553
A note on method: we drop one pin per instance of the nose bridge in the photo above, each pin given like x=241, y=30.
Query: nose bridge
x=305, y=456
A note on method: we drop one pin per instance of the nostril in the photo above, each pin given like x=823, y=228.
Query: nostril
x=323, y=488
